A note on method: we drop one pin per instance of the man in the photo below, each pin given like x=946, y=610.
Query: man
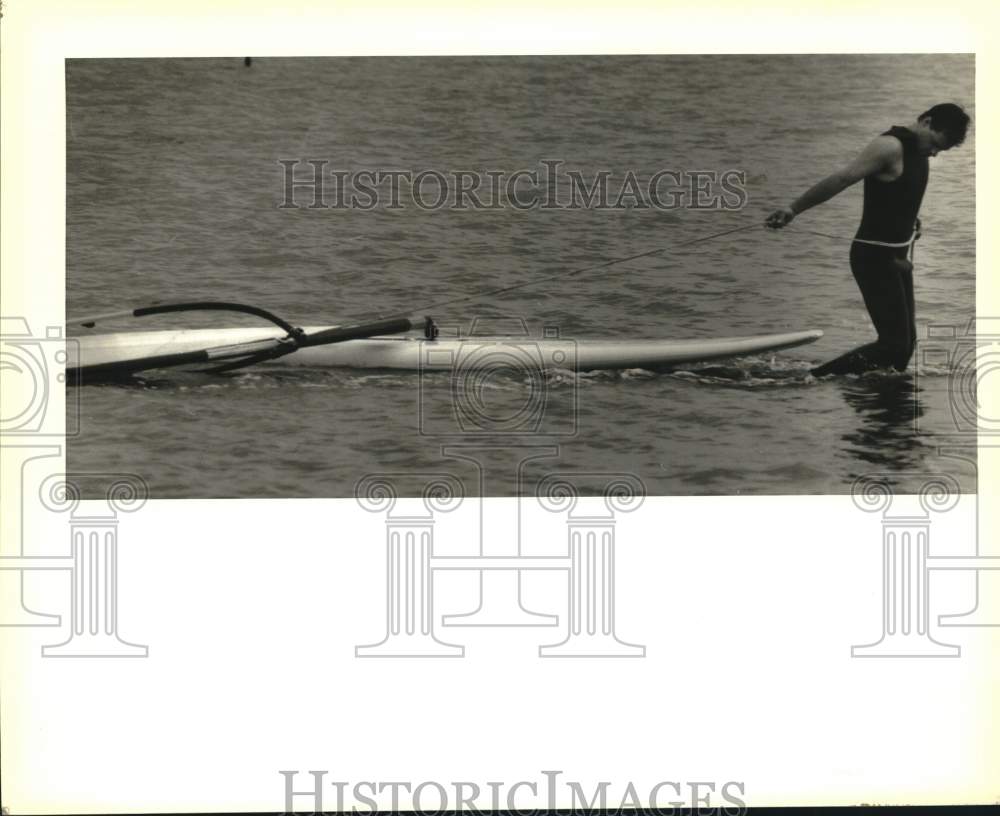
x=894, y=167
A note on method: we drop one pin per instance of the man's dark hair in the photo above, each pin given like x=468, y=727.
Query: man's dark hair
x=950, y=120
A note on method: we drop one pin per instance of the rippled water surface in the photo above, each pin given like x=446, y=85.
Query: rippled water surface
x=174, y=184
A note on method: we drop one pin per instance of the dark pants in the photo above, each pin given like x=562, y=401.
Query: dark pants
x=885, y=278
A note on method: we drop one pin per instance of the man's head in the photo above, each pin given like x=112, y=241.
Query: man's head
x=941, y=128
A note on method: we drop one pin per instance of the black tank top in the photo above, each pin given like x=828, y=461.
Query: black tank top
x=890, y=207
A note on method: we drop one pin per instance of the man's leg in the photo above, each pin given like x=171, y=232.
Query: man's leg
x=906, y=276
x=882, y=278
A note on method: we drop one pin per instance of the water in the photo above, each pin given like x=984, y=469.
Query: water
x=173, y=192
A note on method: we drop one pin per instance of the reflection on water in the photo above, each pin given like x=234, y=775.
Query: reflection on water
x=888, y=407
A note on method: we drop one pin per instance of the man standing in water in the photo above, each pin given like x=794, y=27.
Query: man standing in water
x=894, y=167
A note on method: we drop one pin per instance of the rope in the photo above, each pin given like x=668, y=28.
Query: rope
x=583, y=269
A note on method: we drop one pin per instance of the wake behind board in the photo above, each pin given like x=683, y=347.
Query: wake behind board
x=91, y=356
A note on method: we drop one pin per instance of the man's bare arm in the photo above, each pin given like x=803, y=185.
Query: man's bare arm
x=881, y=154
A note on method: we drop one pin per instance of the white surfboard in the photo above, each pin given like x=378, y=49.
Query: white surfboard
x=130, y=352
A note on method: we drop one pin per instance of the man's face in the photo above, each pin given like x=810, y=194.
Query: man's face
x=932, y=141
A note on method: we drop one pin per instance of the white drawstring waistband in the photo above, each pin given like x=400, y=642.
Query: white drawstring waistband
x=885, y=244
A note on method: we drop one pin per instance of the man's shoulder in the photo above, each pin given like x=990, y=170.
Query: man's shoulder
x=888, y=142
x=886, y=146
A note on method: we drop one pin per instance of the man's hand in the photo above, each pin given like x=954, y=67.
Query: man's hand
x=780, y=218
